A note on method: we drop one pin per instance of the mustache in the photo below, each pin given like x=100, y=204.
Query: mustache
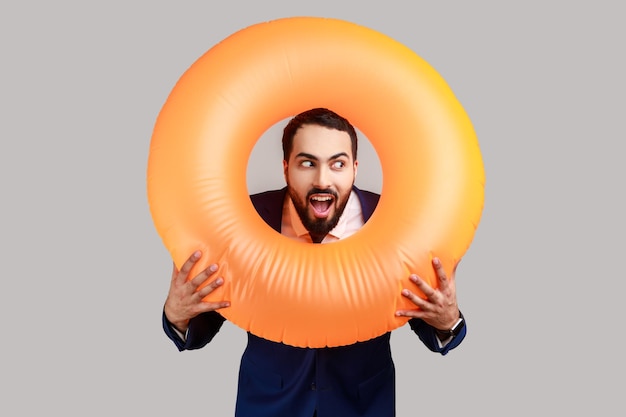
x=319, y=191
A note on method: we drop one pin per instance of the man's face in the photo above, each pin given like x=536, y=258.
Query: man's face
x=320, y=173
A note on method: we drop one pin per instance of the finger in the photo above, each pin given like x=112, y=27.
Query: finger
x=415, y=299
x=210, y=287
x=410, y=313
x=212, y=306
x=203, y=276
x=188, y=265
x=420, y=303
x=428, y=291
x=174, y=271
x=441, y=273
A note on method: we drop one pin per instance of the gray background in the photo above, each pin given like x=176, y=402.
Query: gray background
x=85, y=274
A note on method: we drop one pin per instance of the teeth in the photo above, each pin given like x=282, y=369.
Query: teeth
x=319, y=198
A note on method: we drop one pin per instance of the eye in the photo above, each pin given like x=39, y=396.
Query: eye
x=307, y=164
x=338, y=164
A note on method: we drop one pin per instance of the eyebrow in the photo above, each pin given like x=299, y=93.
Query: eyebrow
x=315, y=158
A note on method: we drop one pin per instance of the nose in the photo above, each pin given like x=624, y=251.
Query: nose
x=322, y=178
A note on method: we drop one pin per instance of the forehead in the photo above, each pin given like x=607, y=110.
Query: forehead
x=321, y=142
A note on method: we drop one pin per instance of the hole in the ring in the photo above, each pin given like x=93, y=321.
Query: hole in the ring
x=265, y=164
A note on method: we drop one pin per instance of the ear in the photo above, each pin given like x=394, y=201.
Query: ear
x=356, y=164
x=285, y=167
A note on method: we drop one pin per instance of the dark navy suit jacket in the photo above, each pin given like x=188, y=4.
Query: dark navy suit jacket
x=277, y=380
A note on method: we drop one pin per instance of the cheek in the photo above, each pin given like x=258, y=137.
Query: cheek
x=297, y=180
x=345, y=182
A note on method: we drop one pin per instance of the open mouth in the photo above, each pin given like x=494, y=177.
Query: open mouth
x=321, y=204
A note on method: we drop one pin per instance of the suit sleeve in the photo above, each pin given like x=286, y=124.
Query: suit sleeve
x=428, y=336
x=202, y=329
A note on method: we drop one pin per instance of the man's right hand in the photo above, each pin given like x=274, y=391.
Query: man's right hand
x=184, y=300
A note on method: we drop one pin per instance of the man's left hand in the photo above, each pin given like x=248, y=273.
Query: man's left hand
x=440, y=308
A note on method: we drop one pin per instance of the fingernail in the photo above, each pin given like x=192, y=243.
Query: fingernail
x=213, y=268
x=405, y=292
x=219, y=281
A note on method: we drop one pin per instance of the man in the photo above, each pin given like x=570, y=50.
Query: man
x=320, y=204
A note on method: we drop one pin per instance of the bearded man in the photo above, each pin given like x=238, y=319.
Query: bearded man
x=319, y=204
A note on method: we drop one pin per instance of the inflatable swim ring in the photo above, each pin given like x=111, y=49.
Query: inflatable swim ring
x=292, y=292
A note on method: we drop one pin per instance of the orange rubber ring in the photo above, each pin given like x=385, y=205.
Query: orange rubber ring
x=292, y=292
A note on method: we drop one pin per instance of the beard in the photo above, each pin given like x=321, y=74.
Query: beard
x=318, y=227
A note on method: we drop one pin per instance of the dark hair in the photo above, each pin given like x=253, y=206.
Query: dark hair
x=322, y=117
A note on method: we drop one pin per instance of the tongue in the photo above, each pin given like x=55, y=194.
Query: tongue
x=320, y=207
